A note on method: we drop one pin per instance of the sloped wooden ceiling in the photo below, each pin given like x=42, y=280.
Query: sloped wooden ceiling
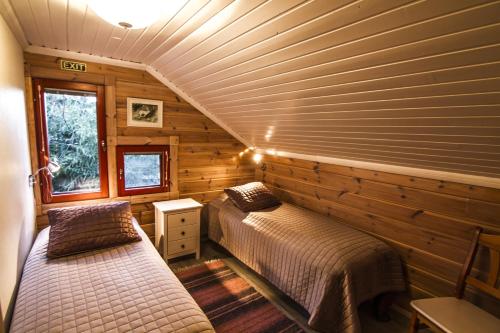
x=411, y=83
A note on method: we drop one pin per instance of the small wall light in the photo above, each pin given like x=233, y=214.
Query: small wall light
x=51, y=168
x=257, y=158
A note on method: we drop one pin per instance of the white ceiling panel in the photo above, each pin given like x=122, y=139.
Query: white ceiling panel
x=410, y=83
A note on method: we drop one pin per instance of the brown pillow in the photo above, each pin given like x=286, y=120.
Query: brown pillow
x=83, y=228
x=252, y=196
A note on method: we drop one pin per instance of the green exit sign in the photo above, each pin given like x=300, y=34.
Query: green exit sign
x=73, y=66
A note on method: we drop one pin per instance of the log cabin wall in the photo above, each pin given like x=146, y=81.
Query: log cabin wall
x=429, y=222
x=208, y=157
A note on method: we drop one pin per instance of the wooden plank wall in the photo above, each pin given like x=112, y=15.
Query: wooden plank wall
x=429, y=222
x=208, y=157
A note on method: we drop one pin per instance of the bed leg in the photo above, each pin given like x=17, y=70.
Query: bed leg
x=382, y=305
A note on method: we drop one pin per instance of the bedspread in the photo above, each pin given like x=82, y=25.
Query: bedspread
x=325, y=266
x=127, y=288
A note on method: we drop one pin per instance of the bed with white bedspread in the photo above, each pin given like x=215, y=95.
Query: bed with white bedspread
x=325, y=266
x=126, y=288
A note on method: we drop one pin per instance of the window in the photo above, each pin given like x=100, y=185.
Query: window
x=142, y=169
x=70, y=123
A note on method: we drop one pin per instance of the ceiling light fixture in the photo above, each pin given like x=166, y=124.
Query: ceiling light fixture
x=128, y=14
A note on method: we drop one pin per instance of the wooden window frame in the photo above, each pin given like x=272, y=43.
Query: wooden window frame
x=39, y=86
x=164, y=169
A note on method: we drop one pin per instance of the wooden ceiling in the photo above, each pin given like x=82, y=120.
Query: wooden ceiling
x=411, y=83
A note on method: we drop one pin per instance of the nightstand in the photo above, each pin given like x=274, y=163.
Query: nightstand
x=177, y=222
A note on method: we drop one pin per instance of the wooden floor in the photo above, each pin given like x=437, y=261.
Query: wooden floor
x=211, y=251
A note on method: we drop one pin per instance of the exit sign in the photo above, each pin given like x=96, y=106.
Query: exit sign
x=73, y=66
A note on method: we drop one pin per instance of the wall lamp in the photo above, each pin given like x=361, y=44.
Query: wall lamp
x=51, y=168
x=257, y=158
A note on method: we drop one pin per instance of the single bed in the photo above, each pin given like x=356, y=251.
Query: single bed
x=325, y=266
x=127, y=288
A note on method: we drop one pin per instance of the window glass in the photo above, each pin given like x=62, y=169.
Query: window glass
x=142, y=170
x=71, y=131
x=72, y=139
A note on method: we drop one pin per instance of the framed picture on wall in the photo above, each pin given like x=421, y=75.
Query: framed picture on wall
x=144, y=112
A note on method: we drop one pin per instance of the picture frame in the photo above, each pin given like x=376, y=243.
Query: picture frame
x=144, y=112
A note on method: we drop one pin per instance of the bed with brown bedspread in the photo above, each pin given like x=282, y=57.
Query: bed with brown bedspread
x=325, y=266
x=126, y=288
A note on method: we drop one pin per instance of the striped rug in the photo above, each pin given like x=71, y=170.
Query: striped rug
x=230, y=303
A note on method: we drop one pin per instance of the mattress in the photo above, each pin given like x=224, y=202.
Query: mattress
x=325, y=266
x=127, y=288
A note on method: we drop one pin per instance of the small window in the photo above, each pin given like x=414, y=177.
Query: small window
x=142, y=169
x=70, y=123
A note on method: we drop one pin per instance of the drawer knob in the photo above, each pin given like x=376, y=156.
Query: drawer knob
x=183, y=246
x=183, y=220
x=183, y=233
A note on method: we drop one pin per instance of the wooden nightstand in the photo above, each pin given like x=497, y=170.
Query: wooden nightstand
x=178, y=223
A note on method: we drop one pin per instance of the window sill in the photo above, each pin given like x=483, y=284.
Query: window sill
x=133, y=199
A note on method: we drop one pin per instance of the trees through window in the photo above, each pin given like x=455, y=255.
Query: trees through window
x=71, y=131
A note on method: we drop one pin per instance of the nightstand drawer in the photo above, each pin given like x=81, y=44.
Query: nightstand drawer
x=182, y=232
x=182, y=245
x=182, y=219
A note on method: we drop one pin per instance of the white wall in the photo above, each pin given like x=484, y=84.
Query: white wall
x=17, y=215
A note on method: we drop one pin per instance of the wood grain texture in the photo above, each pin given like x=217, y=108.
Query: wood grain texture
x=204, y=157
x=429, y=222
